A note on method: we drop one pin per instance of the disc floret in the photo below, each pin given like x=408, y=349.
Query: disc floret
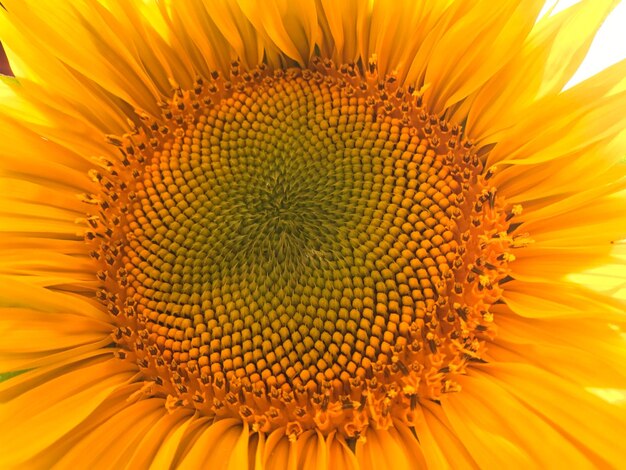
x=301, y=248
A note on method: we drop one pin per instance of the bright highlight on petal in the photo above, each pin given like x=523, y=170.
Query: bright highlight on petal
x=308, y=235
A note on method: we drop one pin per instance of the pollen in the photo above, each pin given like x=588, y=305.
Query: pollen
x=300, y=249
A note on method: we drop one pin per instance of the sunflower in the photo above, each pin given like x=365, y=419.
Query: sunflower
x=310, y=234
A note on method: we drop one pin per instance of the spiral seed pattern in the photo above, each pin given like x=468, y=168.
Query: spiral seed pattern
x=301, y=248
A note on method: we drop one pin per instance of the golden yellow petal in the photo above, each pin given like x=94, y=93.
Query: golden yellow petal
x=594, y=426
x=270, y=18
x=181, y=438
x=570, y=122
x=56, y=406
x=223, y=443
x=116, y=69
x=597, y=344
x=441, y=446
x=547, y=299
x=19, y=293
x=278, y=452
x=395, y=448
x=401, y=22
x=553, y=51
x=348, y=25
x=578, y=26
x=339, y=455
x=112, y=443
x=151, y=449
x=472, y=50
x=499, y=430
x=311, y=450
x=41, y=332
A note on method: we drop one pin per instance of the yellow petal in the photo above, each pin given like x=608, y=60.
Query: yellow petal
x=181, y=438
x=550, y=56
x=339, y=455
x=348, y=25
x=222, y=444
x=594, y=426
x=474, y=48
x=373, y=452
x=150, y=446
x=441, y=446
x=112, y=443
x=311, y=450
x=292, y=28
x=279, y=453
x=498, y=429
x=25, y=330
x=57, y=406
x=553, y=299
x=21, y=294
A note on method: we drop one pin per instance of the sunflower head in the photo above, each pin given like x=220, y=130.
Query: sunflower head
x=309, y=235
x=289, y=246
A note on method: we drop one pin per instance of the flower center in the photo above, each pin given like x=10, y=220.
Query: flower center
x=300, y=249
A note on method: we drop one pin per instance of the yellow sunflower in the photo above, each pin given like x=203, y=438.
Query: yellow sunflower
x=309, y=234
